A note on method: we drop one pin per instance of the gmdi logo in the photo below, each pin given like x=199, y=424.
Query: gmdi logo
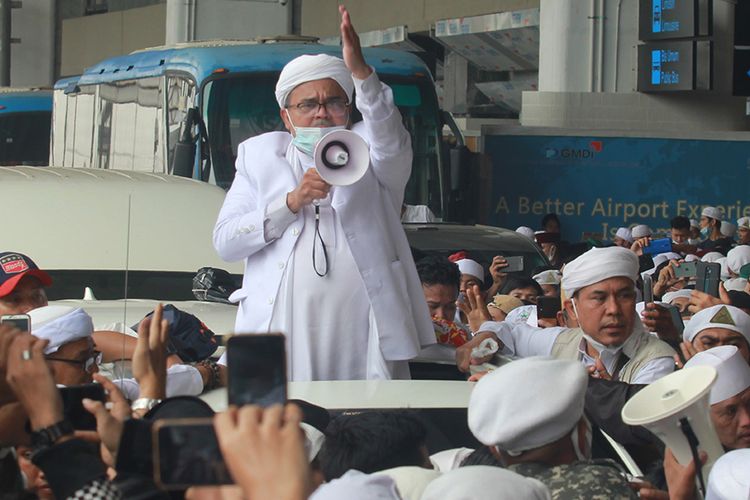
x=575, y=153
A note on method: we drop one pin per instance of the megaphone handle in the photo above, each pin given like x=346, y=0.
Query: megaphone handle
x=692, y=439
x=322, y=243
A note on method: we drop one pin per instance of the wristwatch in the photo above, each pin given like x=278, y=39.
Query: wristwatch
x=144, y=404
x=47, y=436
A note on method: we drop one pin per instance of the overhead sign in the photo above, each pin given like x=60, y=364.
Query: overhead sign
x=668, y=66
x=666, y=19
x=741, y=82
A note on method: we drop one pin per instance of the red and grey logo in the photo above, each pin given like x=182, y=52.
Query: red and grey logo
x=13, y=264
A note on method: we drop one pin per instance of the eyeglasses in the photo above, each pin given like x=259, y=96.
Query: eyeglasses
x=336, y=106
x=87, y=364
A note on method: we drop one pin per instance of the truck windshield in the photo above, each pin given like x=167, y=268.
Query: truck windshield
x=24, y=138
x=236, y=107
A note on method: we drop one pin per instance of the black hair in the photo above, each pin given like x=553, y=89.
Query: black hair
x=680, y=222
x=515, y=282
x=550, y=217
x=435, y=270
x=372, y=441
x=481, y=456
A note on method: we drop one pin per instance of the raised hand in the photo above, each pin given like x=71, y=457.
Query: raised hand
x=352, y=51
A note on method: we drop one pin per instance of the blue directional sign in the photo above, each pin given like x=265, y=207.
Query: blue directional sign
x=665, y=19
x=666, y=66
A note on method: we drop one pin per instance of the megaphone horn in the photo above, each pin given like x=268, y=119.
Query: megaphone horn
x=341, y=157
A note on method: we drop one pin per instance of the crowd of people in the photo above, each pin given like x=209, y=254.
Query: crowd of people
x=553, y=355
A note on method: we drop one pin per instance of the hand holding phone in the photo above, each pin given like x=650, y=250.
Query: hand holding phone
x=648, y=289
x=655, y=247
x=256, y=366
x=73, y=409
x=708, y=277
x=515, y=264
x=20, y=321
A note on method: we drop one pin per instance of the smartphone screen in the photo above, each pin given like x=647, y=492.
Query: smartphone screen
x=256, y=365
x=685, y=270
x=648, y=289
x=515, y=264
x=73, y=409
x=20, y=321
x=656, y=247
x=707, y=277
x=547, y=307
x=186, y=453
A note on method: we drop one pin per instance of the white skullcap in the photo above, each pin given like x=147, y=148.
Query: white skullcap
x=528, y=403
x=660, y=259
x=711, y=257
x=727, y=229
x=550, y=277
x=743, y=222
x=736, y=284
x=447, y=460
x=641, y=231
x=356, y=484
x=485, y=482
x=520, y=314
x=625, y=234
x=526, y=231
x=713, y=213
x=599, y=264
x=309, y=68
x=695, y=223
x=691, y=258
x=718, y=316
x=732, y=369
x=411, y=480
x=471, y=267
x=668, y=297
x=738, y=257
x=729, y=478
x=60, y=325
x=722, y=261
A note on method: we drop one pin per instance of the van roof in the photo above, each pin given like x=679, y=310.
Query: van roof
x=13, y=100
x=201, y=59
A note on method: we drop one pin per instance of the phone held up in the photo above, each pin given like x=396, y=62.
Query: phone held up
x=256, y=366
x=20, y=321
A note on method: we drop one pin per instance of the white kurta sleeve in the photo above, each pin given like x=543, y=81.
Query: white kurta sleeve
x=241, y=225
x=278, y=218
x=390, y=142
x=523, y=340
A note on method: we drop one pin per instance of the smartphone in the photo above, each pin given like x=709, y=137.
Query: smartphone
x=186, y=453
x=662, y=245
x=515, y=264
x=547, y=307
x=20, y=321
x=708, y=277
x=648, y=289
x=674, y=312
x=685, y=270
x=256, y=367
x=73, y=409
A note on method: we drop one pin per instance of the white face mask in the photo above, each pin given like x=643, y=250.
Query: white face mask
x=600, y=348
x=584, y=454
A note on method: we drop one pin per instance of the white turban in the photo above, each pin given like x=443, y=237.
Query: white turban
x=735, y=284
x=308, y=68
x=668, y=297
x=711, y=257
x=526, y=231
x=410, y=480
x=732, y=369
x=60, y=325
x=472, y=267
x=356, y=484
x=599, y=264
x=729, y=478
x=718, y=316
x=549, y=277
x=528, y=403
x=722, y=261
x=738, y=257
x=447, y=460
x=641, y=231
x=713, y=213
x=625, y=234
x=727, y=229
x=484, y=482
x=743, y=222
x=691, y=258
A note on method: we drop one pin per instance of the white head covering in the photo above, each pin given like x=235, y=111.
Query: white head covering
x=737, y=284
x=668, y=297
x=356, y=484
x=711, y=257
x=308, y=68
x=60, y=325
x=743, y=222
x=729, y=478
x=738, y=257
x=410, y=481
x=448, y=460
x=528, y=403
x=472, y=267
x=727, y=229
x=599, y=264
x=641, y=231
x=691, y=258
x=625, y=234
x=713, y=213
x=550, y=277
x=520, y=314
x=732, y=369
x=724, y=267
x=484, y=482
x=660, y=259
x=718, y=316
x=695, y=223
x=526, y=231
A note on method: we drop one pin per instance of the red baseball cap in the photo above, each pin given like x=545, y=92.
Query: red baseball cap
x=13, y=267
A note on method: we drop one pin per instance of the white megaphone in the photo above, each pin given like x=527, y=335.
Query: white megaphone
x=341, y=157
x=675, y=408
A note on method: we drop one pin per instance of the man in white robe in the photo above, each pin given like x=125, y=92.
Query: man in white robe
x=342, y=288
